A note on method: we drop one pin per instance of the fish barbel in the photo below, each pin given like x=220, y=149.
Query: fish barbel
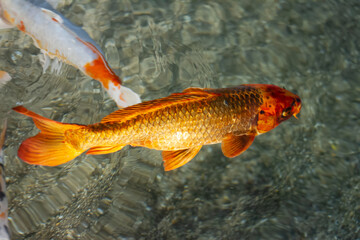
x=58, y=38
x=179, y=124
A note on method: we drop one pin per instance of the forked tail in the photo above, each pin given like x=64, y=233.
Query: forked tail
x=47, y=148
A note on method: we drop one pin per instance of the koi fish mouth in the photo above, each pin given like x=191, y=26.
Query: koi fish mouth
x=297, y=108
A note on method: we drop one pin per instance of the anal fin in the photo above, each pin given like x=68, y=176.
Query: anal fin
x=178, y=158
x=104, y=149
x=233, y=145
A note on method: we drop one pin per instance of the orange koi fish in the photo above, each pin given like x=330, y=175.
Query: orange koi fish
x=179, y=124
x=58, y=38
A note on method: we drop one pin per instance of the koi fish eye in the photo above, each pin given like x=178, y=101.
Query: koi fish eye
x=286, y=112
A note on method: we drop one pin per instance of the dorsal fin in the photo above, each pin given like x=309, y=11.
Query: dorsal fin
x=153, y=105
x=196, y=90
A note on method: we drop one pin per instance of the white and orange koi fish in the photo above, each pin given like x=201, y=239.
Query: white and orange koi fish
x=4, y=227
x=58, y=38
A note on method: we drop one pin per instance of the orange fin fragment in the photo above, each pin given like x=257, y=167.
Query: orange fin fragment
x=196, y=90
x=104, y=149
x=233, y=146
x=176, y=159
x=44, y=124
x=46, y=151
x=48, y=148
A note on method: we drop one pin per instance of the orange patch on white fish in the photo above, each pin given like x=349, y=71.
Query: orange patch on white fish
x=99, y=69
x=21, y=27
x=8, y=17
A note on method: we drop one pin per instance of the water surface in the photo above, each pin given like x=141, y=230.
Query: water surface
x=299, y=181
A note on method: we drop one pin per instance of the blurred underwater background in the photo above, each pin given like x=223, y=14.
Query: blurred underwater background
x=299, y=181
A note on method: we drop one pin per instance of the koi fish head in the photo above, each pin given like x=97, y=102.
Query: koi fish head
x=278, y=105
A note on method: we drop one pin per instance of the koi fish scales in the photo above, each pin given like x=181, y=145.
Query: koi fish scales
x=179, y=125
x=205, y=119
x=179, y=121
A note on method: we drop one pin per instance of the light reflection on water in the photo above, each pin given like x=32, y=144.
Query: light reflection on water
x=301, y=175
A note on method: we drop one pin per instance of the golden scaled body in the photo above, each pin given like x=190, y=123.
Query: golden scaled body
x=179, y=124
x=179, y=121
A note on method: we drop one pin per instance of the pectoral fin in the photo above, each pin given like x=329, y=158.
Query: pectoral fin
x=104, y=149
x=233, y=145
x=175, y=159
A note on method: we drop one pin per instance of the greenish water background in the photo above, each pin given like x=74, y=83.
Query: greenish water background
x=299, y=181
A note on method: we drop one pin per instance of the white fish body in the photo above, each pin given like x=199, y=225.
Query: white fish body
x=58, y=38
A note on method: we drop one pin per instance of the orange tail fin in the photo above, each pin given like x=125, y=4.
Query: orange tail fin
x=48, y=148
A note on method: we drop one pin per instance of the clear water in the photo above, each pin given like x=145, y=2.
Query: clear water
x=299, y=181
